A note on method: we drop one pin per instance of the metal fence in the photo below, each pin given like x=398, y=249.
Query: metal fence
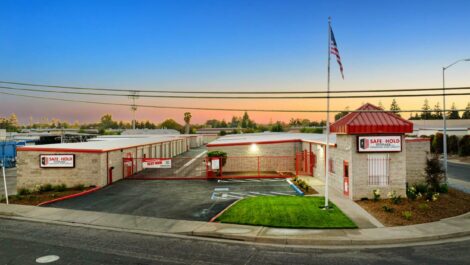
x=185, y=168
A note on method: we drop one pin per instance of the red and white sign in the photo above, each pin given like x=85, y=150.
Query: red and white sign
x=379, y=143
x=57, y=161
x=156, y=162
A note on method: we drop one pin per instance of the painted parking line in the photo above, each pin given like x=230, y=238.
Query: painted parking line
x=250, y=180
x=190, y=162
x=241, y=195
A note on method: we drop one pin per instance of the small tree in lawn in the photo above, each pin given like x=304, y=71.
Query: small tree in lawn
x=434, y=173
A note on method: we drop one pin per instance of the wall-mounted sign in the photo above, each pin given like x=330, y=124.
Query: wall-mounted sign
x=156, y=162
x=215, y=164
x=370, y=144
x=57, y=161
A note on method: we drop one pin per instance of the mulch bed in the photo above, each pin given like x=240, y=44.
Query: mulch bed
x=449, y=204
x=37, y=198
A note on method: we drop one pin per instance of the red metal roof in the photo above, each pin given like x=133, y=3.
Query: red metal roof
x=371, y=122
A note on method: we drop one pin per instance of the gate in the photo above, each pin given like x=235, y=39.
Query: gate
x=305, y=163
x=202, y=167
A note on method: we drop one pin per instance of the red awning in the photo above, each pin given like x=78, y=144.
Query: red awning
x=371, y=122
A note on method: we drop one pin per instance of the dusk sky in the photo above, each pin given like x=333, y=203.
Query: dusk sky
x=227, y=45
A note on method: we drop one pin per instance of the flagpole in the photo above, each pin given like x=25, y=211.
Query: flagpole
x=327, y=148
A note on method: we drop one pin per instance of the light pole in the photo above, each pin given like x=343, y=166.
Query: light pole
x=444, y=106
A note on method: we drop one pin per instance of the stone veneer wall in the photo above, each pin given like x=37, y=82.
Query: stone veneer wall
x=88, y=170
x=359, y=177
x=417, y=151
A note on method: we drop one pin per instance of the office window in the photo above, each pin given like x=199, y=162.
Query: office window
x=378, y=169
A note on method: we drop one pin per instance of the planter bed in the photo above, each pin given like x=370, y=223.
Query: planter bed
x=447, y=205
x=36, y=198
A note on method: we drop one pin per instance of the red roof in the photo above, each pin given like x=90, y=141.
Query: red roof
x=371, y=122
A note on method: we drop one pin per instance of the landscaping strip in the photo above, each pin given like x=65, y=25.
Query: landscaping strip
x=70, y=196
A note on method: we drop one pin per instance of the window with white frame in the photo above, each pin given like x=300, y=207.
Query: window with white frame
x=378, y=168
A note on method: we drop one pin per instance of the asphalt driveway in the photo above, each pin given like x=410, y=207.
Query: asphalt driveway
x=197, y=200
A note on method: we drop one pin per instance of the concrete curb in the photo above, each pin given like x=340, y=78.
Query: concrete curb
x=450, y=228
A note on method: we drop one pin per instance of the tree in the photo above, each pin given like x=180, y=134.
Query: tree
x=342, y=114
x=466, y=113
x=187, y=120
x=434, y=173
x=426, y=114
x=453, y=144
x=277, y=127
x=171, y=124
x=107, y=122
x=381, y=105
x=453, y=114
x=464, y=146
x=437, y=112
x=437, y=143
x=395, y=108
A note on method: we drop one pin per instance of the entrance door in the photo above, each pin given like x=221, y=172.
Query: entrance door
x=346, y=178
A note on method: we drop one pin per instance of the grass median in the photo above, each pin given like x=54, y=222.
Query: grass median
x=286, y=212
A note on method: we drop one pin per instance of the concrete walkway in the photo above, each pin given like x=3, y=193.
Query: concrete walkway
x=447, y=228
x=360, y=216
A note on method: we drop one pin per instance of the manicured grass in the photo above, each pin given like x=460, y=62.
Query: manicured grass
x=286, y=211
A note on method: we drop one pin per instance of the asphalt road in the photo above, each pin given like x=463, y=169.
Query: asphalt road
x=458, y=171
x=23, y=242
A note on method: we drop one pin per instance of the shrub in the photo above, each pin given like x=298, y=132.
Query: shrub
x=453, y=144
x=376, y=194
x=421, y=188
x=443, y=188
x=396, y=199
x=423, y=206
x=432, y=196
x=411, y=193
x=407, y=215
x=59, y=188
x=45, y=188
x=464, y=146
x=78, y=187
x=437, y=143
x=388, y=209
x=434, y=173
x=23, y=191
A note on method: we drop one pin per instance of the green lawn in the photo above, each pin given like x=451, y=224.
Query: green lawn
x=286, y=211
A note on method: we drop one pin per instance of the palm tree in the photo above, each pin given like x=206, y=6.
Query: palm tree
x=187, y=119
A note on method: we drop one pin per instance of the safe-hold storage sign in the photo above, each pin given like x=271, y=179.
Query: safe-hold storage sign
x=379, y=143
x=156, y=163
x=57, y=161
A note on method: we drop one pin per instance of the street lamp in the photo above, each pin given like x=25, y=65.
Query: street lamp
x=444, y=106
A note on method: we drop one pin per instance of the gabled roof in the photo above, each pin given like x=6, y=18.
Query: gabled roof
x=371, y=122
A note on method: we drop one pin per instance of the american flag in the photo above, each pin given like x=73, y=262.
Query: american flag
x=334, y=50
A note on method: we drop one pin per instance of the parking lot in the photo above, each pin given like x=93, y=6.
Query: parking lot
x=197, y=200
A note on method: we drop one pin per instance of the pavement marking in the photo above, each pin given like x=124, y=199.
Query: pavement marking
x=190, y=162
x=250, y=180
x=47, y=259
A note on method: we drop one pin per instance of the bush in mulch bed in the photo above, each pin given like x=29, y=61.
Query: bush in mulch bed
x=42, y=193
x=429, y=207
x=303, y=186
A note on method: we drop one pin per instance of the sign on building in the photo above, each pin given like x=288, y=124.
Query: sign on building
x=369, y=144
x=156, y=162
x=57, y=161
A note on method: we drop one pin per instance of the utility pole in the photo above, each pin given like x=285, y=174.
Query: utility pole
x=444, y=143
x=133, y=96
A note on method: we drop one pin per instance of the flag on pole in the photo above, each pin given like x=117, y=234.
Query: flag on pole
x=334, y=50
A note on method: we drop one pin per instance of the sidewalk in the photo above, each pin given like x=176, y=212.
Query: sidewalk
x=448, y=228
x=360, y=216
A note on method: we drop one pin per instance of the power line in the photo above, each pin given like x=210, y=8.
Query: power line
x=210, y=109
x=233, y=92
x=237, y=97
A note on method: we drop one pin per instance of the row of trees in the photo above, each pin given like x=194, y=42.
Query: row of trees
x=9, y=123
x=455, y=145
x=437, y=113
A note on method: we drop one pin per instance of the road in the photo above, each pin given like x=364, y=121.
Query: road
x=23, y=242
x=458, y=171
x=459, y=176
